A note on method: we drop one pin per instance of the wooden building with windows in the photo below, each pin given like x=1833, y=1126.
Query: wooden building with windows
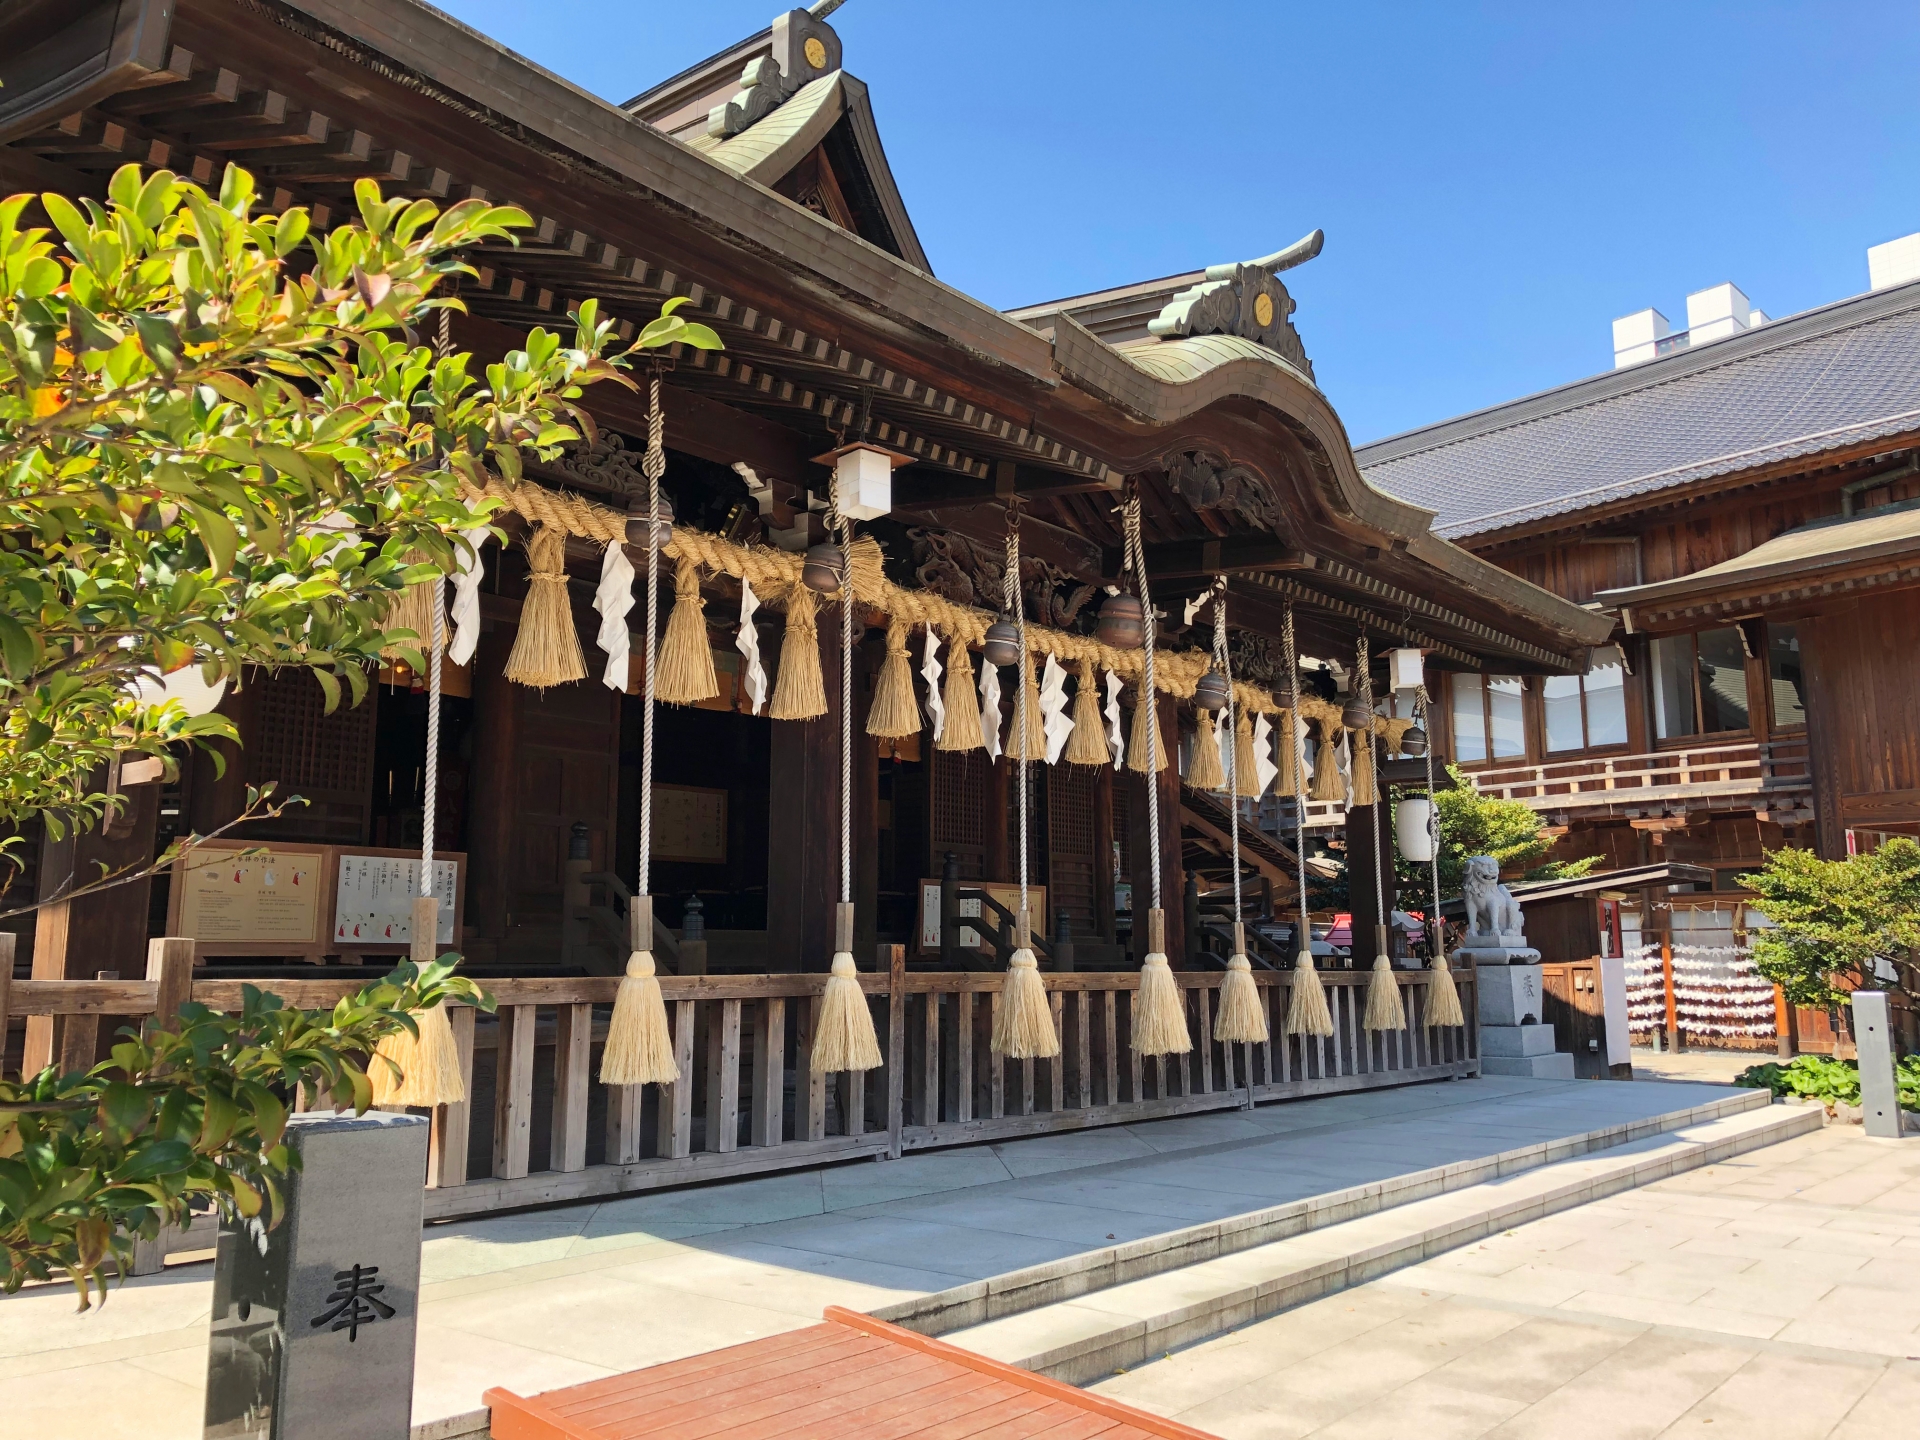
x=755, y=185
x=1746, y=513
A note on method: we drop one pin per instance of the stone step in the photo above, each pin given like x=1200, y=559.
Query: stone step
x=1091, y=1335
x=1016, y=1291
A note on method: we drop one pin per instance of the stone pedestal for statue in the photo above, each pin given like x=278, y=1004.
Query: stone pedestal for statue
x=1514, y=1038
x=313, y=1320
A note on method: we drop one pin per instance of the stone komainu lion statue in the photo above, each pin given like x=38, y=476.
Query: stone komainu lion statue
x=1491, y=908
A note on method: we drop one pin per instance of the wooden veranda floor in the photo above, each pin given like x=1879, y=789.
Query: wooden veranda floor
x=853, y=1376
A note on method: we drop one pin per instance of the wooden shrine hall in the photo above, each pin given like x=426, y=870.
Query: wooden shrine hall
x=754, y=187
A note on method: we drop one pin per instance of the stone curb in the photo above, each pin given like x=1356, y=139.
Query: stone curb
x=998, y=1296
x=1255, y=1286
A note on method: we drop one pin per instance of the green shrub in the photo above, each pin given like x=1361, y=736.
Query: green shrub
x=1831, y=1082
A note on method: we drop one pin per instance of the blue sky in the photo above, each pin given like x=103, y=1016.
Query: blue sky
x=1496, y=181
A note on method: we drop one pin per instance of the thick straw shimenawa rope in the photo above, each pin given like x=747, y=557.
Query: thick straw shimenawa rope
x=776, y=579
x=639, y=1048
x=1242, y=1017
x=1023, y=1021
x=1307, y=1012
x=1386, y=1010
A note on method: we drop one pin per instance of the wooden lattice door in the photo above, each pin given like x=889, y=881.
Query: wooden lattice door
x=956, y=809
x=291, y=741
x=1071, y=860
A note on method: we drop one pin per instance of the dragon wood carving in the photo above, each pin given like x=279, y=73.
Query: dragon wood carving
x=969, y=573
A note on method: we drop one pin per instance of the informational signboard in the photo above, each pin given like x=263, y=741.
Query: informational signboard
x=690, y=823
x=236, y=897
x=374, y=895
x=270, y=894
x=974, y=936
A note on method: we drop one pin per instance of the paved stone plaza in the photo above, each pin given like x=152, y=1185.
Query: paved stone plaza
x=1771, y=1297
x=550, y=1298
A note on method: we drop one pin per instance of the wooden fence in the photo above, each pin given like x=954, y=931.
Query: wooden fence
x=539, y=1128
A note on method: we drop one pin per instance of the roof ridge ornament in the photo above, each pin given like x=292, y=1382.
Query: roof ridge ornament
x=804, y=48
x=1243, y=298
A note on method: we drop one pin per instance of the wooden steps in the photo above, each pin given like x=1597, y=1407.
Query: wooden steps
x=853, y=1376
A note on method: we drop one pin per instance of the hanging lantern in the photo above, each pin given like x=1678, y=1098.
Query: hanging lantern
x=1122, y=622
x=863, y=478
x=1413, y=828
x=1407, y=668
x=1356, y=715
x=825, y=568
x=1002, y=645
x=1212, y=692
x=185, y=685
x=1414, y=742
x=637, y=521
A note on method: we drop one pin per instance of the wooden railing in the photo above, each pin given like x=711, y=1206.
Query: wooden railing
x=1775, y=769
x=539, y=1127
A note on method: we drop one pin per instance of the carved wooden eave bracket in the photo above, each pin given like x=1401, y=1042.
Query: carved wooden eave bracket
x=1243, y=298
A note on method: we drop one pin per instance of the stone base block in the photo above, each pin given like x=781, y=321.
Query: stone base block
x=1516, y=1041
x=1510, y=994
x=1537, y=1067
x=1518, y=953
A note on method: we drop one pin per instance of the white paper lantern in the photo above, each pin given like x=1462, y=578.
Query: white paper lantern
x=1413, y=828
x=863, y=482
x=1409, y=669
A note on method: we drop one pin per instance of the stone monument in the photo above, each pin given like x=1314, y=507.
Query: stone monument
x=1514, y=1038
x=313, y=1320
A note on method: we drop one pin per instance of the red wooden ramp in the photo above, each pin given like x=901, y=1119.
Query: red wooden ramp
x=853, y=1376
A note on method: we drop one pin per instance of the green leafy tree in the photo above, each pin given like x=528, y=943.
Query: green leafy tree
x=1840, y=925
x=1476, y=824
x=183, y=1120
x=222, y=444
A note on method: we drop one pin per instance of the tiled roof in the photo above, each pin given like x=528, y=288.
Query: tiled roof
x=1824, y=380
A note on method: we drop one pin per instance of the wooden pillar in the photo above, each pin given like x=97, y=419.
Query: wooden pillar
x=803, y=863
x=75, y=940
x=867, y=659
x=1103, y=838
x=496, y=726
x=1823, y=731
x=1368, y=853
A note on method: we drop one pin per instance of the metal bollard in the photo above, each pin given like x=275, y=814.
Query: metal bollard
x=1873, y=1039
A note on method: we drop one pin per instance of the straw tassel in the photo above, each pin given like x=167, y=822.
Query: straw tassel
x=1246, y=773
x=1385, y=1009
x=547, y=649
x=686, y=659
x=1443, y=996
x=639, y=1049
x=410, y=609
x=1307, y=1012
x=962, y=731
x=1031, y=744
x=1365, y=792
x=422, y=1069
x=1242, y=1018
x=1137, y=739
x=1023, y=1023
x=1159, y=1017
x=895, y=712
x=1087, y=745
x=1205, y=772
x=1326, y=766
x=798, y=691
x=1287, y=744
x=843, y=1037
